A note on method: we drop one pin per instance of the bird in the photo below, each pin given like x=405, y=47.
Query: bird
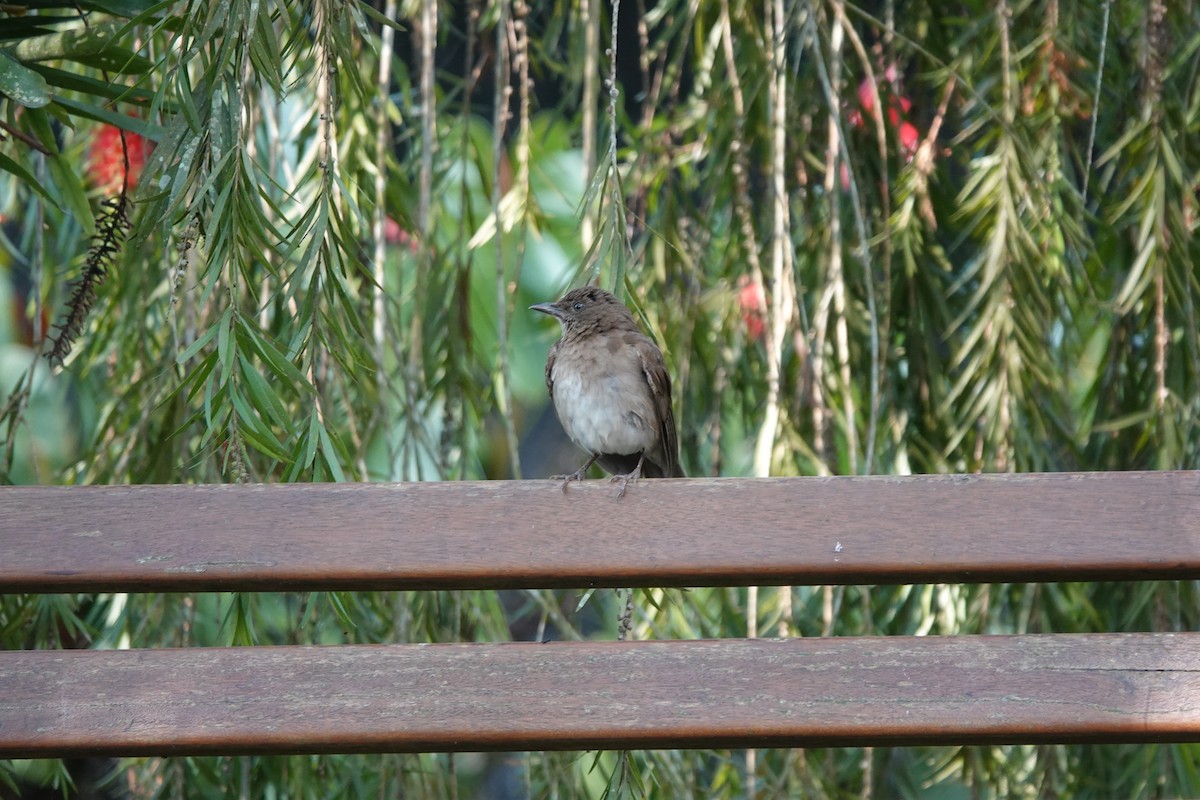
x=610, y=389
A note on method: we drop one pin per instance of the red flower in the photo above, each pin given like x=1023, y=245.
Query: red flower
x=106, y=163
x=898, y=107
x=395, y=234
x=752, y=302
x=909, y=138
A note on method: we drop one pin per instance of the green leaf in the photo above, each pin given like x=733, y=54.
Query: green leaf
x=9, y=165
x=339, y=607
x=265, y=399
x=1137, y=418
x=225, y=343
x=256, y=431
x=241, y=611
x=199, y=376
x=187, y=102
x=39, y=120
x=12, y=28
x=70, y=183
x=311, y=440
x=120, y=8
x=378, y=16
x=117, y=59
x=330, y=452
x=278, y=362
x=124, y=121
x=195, y=346
x=21, y=84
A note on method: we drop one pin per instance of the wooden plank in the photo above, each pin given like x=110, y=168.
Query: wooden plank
x=667, y=533
x=585, y=695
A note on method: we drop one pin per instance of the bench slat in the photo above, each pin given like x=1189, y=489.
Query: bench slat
x=584, y=695
x=528, y=534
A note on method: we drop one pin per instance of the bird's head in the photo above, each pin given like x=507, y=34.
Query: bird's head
x=588, y=308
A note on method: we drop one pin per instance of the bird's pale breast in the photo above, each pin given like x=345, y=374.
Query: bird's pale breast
x=592, y=382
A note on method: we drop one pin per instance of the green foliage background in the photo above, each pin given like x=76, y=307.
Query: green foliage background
x=340, y=227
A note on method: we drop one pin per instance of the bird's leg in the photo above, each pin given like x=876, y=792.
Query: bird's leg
x=577, y=475
x=632, y=475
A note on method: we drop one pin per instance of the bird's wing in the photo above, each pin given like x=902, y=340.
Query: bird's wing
x=550, y=369
x=659, y=380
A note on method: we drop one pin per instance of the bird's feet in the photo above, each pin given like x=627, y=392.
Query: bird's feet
x=577, y=475
x=629, y=477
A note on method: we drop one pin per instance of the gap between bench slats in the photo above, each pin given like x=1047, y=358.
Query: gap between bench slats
x=512, y=534
x=582, y=695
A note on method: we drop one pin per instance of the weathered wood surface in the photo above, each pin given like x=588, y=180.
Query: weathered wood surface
x=725, y=693
x=668, y=533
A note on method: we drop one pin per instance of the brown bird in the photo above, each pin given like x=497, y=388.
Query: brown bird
x=611, y=389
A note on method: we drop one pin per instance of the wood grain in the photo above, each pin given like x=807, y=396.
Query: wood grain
x=664, y=532
x=583, y=695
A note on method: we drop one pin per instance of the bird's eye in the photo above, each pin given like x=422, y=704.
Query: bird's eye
x=578, y=306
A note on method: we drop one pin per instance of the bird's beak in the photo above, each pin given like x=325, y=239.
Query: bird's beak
x=547, y=308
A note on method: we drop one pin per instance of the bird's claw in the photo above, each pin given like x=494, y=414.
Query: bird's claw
x=577, y=475
x=625, y=480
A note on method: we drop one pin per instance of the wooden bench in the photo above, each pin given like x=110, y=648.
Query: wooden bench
x=1096, y=687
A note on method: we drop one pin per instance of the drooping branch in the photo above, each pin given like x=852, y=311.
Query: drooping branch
x=111, y=227
x=74, y=43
